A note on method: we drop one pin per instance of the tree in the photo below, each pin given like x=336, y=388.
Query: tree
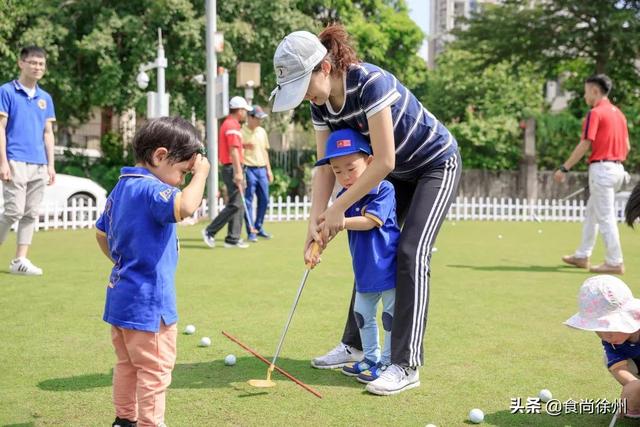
x=589, y=36
x=483, y=109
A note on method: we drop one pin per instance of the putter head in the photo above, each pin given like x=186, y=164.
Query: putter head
x=262, y=383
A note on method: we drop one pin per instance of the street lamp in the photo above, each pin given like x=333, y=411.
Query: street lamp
x=157, y=102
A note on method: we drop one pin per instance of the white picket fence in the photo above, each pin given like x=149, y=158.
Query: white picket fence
x=83, y=214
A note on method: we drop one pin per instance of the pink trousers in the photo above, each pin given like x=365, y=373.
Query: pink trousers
x=143, y=372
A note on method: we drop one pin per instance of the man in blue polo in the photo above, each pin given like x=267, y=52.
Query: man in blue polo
x=26, y=153
x=373, y=241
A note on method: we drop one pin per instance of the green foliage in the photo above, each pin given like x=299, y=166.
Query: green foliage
x=282, y=184
x=556, y=137
x=483, y=108
x=491, y=143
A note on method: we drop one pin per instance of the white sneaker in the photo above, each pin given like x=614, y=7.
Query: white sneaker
x=23, y=266
x=239, y=244
x=338, y=357
x=208, y=240
x=395, y=379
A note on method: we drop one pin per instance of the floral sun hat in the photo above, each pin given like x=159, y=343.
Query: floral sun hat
x=606, y=305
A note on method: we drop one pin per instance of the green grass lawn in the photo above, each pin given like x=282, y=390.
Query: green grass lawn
x=494, y=333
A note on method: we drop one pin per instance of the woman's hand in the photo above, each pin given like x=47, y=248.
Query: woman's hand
x=313, y=236
x=330, y=223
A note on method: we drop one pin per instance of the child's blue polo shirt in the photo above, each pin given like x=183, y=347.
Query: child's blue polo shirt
x=139, y=222
x=373, y=252
x=27, y=118
x=620, y=353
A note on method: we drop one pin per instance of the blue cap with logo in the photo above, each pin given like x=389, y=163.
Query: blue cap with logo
x=342, y=143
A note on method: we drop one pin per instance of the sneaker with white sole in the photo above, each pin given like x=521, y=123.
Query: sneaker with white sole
x=23, y=266
x=208, y=240
x=395, y=379
x=338, y=357
x=239, y=244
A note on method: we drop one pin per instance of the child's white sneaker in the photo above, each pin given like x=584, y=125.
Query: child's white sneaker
x=23, y=266
x=395, y=379
x=338, y=357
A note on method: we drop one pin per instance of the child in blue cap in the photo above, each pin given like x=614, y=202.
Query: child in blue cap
x=373, y=241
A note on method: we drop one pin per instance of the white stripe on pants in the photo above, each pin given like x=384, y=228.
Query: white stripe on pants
x=605, y=178
x=22, y=199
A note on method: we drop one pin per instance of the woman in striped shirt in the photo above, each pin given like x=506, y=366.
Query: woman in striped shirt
x=411, y=149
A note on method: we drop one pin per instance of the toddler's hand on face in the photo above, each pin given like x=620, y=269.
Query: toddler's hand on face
x=201, y=165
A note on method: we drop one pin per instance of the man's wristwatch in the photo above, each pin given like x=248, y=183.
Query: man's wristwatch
x=563, y=169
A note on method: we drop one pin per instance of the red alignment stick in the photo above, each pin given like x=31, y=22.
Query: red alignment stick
x=283, y=372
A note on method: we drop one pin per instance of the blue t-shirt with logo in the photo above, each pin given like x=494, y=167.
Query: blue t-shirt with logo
x=620, y=353
x=373, y=252
x=27, y=117
x=139, y=222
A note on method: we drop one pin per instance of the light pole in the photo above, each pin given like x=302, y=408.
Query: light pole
x=157, y=102
x=211, y=121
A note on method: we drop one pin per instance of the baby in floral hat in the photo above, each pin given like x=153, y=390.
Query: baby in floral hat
x=608, y=308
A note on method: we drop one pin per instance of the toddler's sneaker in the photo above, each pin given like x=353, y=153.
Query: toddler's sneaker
x=239, y=244
x=372, y=374
x=395, y=379
x=208, y=240
x=355, y=369
x=23, y=266
x=123, y=422
x=337, y=357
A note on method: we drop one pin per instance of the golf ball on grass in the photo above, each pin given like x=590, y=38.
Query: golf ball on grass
x=545, y=395
x=434, y=249
x=476, y=416
x=205, y=342
x=230, y=360
x=189, y=329
x=540, y=231
x=499, y=236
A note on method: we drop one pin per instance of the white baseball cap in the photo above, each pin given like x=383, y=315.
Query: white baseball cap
x=294, y=60
x=239, y=102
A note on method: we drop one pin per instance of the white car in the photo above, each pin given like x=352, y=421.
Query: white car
x=67, y=191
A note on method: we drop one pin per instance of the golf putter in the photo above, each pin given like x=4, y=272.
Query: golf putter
x=315, y=249
x=247, y=212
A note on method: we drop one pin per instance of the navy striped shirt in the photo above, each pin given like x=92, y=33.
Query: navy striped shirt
x=420, y=139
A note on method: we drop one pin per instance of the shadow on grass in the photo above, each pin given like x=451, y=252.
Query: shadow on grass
x=506, y=418
x=19, y=425
x=526, y=268
x=215, y=374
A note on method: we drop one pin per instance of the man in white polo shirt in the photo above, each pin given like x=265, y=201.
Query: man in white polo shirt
x=26, y=153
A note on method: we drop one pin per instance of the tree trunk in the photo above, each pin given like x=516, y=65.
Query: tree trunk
x=106, y=116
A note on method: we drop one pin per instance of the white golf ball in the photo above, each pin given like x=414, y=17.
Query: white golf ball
x=434, y=249
x=476, y=416
x=499, y=236
x=230, y=360
x=540, y=231
x=205, y=342
x=545, y=395
x=189, y=329
x=430, y=425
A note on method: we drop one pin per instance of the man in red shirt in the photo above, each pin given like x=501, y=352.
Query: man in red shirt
x=605, y=132
x=230, y=157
